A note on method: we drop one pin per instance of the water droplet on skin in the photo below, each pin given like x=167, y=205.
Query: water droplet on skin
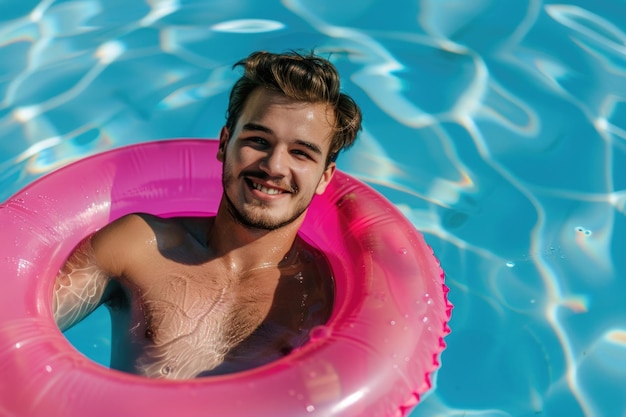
x=310, y=408
x=403, y=251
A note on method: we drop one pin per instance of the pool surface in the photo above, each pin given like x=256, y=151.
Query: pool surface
x=498, y=128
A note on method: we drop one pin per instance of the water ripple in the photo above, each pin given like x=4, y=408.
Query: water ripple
x=497, y=127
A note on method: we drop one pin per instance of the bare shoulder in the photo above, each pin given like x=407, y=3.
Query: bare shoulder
x=317, y=276
x=311, y=256
x=136, y=240
x=122, y=241
x=122, y=226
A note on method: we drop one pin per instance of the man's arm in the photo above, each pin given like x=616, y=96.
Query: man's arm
x=80, y=286
x=91, y=274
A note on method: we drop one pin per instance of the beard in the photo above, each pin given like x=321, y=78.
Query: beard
x=261, y=221
x=260, y=216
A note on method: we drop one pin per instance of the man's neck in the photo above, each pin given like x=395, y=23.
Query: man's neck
x=243, y=248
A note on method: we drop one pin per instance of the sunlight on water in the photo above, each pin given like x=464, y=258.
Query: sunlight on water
x=498, y=128
x=248, y=26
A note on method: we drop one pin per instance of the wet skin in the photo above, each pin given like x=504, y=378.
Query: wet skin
x=192, y=321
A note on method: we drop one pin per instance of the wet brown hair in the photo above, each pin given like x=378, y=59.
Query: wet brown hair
x=307, y=78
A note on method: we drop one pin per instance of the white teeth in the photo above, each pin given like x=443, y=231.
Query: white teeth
x=270, y=191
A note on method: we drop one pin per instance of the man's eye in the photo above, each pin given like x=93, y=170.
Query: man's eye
x=302, y=154
x=257, y=141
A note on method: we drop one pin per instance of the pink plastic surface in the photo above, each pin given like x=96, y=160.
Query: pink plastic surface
x=373, y=358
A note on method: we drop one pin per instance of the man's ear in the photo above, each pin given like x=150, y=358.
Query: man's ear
x=326, y=177
x=224, y=136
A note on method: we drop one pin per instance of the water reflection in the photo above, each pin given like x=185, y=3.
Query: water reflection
x=498, y=128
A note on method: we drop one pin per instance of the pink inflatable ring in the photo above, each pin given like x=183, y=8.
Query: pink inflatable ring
x=374, y=357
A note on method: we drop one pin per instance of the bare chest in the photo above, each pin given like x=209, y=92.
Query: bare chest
x=198, y=324
x=208, y=311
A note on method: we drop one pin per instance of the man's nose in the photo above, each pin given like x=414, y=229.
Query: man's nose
x=275, y=163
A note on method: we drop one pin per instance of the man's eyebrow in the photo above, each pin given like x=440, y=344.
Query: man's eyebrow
x=256, y=126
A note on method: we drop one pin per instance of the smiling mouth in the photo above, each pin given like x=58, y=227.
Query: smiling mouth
x=270, y=191
x=266, y=190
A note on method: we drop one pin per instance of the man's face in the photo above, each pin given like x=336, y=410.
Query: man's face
x=275, y=160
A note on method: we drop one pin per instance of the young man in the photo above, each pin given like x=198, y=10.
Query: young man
x=203, y=296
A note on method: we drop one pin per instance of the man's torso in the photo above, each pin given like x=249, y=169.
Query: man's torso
x=182, y=315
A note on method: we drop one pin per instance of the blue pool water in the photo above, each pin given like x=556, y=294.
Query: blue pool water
x=497, y=126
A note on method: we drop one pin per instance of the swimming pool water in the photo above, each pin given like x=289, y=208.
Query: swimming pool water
x=498, y=128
